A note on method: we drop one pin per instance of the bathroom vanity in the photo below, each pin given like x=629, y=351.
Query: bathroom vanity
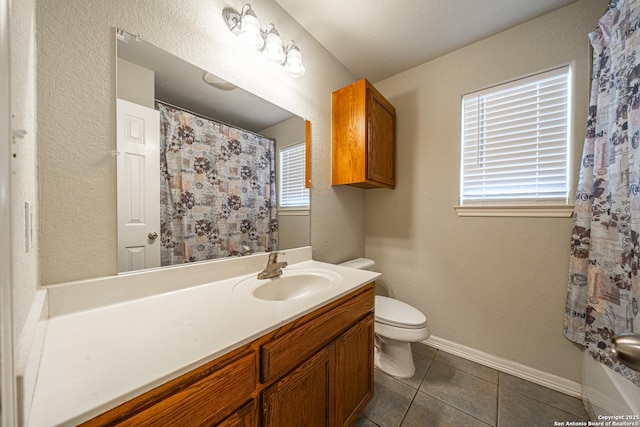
x=164, y=348
x=317, y=370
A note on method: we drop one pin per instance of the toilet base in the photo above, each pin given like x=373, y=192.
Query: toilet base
x=394, y=357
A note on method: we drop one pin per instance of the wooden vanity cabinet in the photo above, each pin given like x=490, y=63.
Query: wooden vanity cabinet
x=313, y=371
x=354, y=372
x=247, y=416
x=334, y=354
x=363, y=129
x=207, y=396
x=302, y=397
x=329, y=389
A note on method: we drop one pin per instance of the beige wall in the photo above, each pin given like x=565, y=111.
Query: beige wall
x=76, y=118
x=135, y=83
x=493, y=284
x=293, y=230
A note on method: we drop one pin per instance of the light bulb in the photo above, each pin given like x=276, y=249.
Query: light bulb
x=273, y=46
x=250, y=30
x=294, y=65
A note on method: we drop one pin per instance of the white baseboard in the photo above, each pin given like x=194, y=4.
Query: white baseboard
x=507, y=366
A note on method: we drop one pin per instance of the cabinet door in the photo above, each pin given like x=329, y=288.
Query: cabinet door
x=354, y=371
x=301, y=398
x=381, y=144
x=247, y=416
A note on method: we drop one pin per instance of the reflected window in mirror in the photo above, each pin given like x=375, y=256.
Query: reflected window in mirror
x=292, y=192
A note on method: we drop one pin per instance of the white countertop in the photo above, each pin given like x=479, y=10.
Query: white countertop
x=93, y=360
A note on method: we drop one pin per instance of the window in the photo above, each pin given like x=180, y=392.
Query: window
x=292, y=192
x=515, y=144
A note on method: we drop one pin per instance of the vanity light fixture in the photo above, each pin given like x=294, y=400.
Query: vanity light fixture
x=246, y=26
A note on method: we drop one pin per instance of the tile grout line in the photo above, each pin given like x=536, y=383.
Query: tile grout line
x=415, y=394
x=451, y=406
x=440, y=400
x=469, y=373
x=408, y=408
x=498, y=384
x=539, y=400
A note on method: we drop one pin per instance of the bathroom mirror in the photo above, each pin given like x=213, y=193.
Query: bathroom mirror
x=214, y=150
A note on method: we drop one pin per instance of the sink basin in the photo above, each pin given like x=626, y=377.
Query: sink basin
x=294, y=284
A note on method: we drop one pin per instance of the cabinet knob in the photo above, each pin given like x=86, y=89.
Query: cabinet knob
x=153, y=235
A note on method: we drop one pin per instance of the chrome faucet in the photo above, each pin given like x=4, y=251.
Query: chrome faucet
x=273, y=268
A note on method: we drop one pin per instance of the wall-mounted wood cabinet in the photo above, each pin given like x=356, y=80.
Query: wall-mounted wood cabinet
x=314, y=371
x=363, y=129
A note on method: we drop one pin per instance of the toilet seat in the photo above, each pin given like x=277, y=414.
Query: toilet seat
x=396, y=313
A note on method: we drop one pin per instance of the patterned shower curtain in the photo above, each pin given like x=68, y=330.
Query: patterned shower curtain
x=604, y=288
x=217, y=190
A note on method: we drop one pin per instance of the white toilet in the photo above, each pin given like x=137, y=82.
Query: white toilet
x=397, y=325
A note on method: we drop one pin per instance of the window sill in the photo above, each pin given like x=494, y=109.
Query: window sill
x=293, y=212
x=532, y=211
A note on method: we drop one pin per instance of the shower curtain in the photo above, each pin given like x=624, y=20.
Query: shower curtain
x=217, y=190
x=603, y=290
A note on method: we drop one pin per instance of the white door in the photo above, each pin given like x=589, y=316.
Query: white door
x=138, y=154
x=8, y=400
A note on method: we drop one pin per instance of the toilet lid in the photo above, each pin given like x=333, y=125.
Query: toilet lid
x=397, y=313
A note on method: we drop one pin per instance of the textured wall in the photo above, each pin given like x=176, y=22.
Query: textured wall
x=76, y=118
x=23, y=161
x=493, y=284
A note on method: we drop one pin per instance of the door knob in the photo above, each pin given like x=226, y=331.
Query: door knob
x=626, y=348
x=153, y=235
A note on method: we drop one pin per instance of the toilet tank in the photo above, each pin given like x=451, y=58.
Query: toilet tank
x=360, y=263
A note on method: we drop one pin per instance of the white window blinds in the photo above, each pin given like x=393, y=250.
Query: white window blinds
x=515, y=140
x=292, y=192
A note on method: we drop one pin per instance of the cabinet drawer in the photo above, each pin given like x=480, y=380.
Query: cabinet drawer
x=204, y=402
x=283, y=353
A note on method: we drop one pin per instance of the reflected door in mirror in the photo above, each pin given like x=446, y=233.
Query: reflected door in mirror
x=138, y=153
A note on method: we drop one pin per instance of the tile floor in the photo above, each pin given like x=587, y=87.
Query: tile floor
x=450, y=391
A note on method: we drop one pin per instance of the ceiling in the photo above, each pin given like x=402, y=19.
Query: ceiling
x=380, y=38
x=182, y=84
